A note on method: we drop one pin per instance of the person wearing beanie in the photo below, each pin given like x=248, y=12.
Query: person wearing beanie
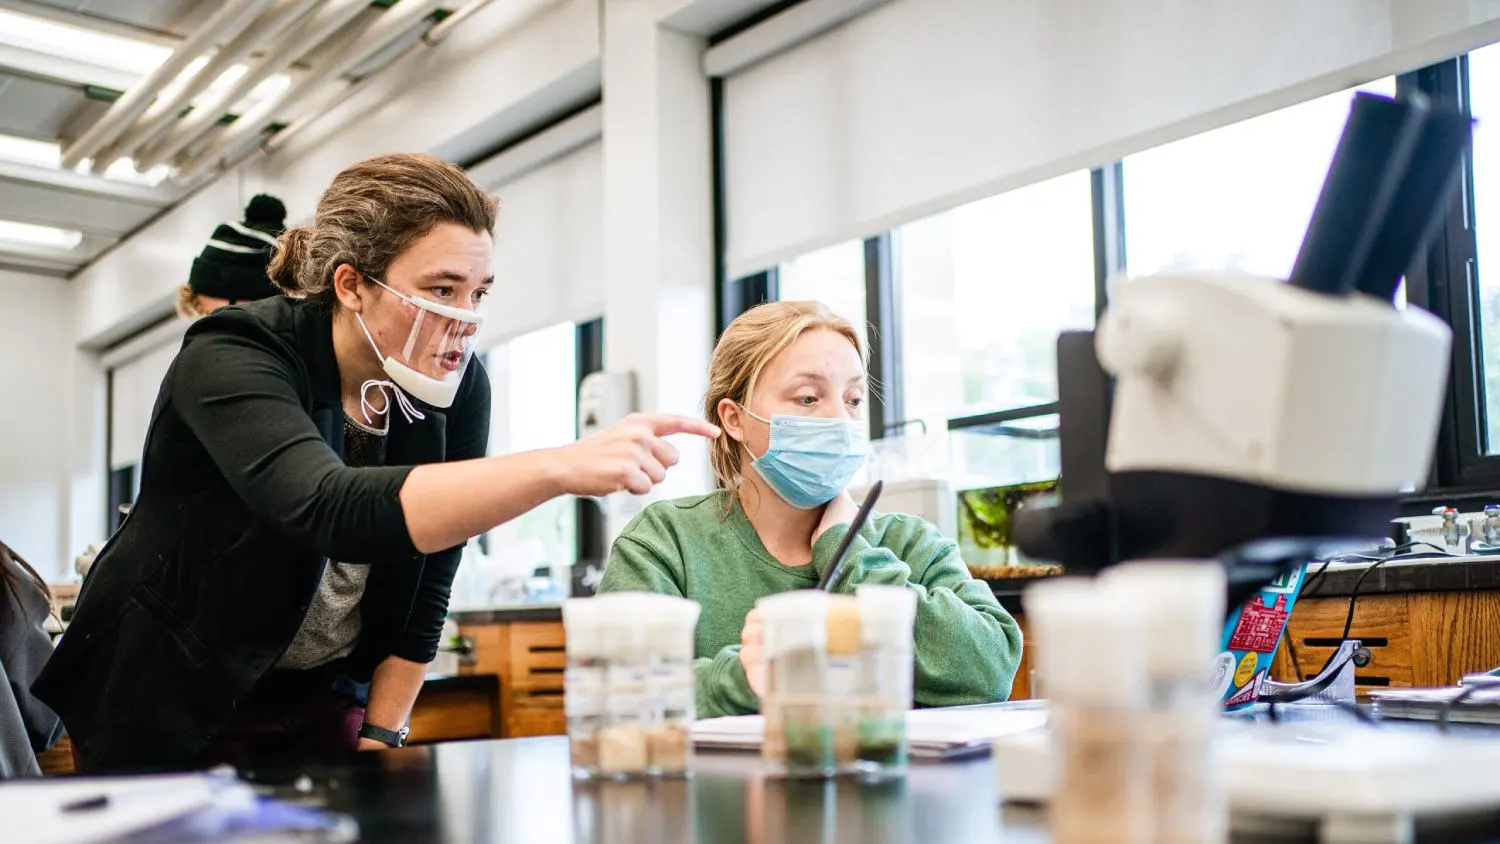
x=232, y=267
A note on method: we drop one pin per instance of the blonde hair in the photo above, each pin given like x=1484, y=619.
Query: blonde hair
x=188, y=306
x=370, y=214
x=743, y=351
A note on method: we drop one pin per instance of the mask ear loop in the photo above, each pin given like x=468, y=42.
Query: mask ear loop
x=384, y=387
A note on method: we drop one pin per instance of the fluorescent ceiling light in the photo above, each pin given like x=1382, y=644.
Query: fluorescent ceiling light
x=29, y=151
x=48, y=154
x=47, y=237
x=80, y=44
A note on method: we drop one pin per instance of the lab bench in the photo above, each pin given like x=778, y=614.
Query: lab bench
x=496, y=792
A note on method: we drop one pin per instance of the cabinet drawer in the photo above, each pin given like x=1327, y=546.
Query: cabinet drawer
x=538, y=655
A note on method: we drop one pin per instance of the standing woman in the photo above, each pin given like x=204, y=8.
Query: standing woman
x=313, y=468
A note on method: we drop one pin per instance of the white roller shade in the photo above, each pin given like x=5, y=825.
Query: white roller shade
x=922, y=105
x=549, y=241
x=134, y=386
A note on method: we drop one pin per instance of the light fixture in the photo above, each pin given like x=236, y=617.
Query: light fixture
x=46, y=237
x=80, y=44
x=48, y=154
x=31, y=151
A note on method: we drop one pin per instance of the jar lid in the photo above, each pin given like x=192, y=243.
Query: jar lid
x=886, y=613
x=582, y=621
x=1089, y=642
x=793, y=621
x=1184, y=628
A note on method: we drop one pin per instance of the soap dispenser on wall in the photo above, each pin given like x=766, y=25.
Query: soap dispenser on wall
x=605, y=398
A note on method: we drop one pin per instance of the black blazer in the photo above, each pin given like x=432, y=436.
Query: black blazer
x=244, y=497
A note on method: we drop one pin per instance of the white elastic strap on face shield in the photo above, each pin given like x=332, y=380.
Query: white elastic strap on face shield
x=384, y=387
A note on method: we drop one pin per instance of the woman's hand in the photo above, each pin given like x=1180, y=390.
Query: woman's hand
x=752, y=653
x=631, y=455
x=839, y=511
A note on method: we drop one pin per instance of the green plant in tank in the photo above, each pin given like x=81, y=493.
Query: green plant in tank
x=988, y=512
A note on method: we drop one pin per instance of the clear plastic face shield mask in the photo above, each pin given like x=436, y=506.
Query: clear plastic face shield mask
x=430, y=361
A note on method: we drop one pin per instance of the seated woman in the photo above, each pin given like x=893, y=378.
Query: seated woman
x=27, y=726
x=786, y=384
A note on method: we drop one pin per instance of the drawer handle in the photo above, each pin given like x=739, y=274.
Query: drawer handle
x=1333, y=642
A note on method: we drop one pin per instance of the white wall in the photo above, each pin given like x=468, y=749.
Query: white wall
x=923, y=105
x=51, y=457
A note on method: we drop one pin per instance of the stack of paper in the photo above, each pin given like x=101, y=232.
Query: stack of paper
x=1480, y=707
x=168, y=809
x=952, y=733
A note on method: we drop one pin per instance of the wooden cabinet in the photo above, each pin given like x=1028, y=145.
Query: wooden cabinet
x=456, y=708
x=528, y=657
x=1416, y=639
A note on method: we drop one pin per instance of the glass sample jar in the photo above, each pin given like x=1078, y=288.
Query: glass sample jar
x=884, y=694
x=846, y=671
x=669, y=739
x=1090, y=651
x=1182, y=633
x=583, y=683
x=628, y=709
x=799, y=722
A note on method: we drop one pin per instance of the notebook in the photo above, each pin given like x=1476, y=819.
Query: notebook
x=932, y=734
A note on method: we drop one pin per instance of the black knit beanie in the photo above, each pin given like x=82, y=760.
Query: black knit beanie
x=233, y=264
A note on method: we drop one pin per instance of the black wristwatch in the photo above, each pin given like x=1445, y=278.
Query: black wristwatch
x=394, y=738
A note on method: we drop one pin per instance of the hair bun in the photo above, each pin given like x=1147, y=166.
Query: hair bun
x=265, y=212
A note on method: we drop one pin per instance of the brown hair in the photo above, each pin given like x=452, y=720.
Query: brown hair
x=188, y=306
x=744, y=349
x=371, y=213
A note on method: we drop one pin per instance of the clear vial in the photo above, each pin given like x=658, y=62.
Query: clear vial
x=886, y=618
x=1089, y=651
x=583, y=683
x=1183, y=632
x=627, y=705
x=669, y=741
x=799, y=731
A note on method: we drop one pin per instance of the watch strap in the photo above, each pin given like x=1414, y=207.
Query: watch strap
x=394, y=738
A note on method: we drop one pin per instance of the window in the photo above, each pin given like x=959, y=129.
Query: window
x=1484, y=102
x=985, y=290
x=533, y=384
x=834, y=276
x=1236, y=198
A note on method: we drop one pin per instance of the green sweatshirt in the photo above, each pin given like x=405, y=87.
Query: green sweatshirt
x=967, y=646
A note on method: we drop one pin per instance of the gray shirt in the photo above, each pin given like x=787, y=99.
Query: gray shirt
x=331, y=628
x=27, y=726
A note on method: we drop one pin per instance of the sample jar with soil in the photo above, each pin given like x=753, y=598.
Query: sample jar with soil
x=799, y=720
x=583, y=683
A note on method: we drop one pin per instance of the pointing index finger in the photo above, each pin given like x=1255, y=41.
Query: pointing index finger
x=666, y=424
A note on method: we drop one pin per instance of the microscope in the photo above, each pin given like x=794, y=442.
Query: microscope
x=1255, y=421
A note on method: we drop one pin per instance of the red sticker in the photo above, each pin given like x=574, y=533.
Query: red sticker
x=1260, y=626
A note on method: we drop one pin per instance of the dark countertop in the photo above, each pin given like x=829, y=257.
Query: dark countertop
x=501, y=615
x=521, y=790
x=1455, y=574
x=500, y=792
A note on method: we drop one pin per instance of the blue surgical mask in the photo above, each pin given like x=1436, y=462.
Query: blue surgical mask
x=811, y=459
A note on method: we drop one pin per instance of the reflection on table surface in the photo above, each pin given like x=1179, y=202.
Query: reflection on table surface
x=522, y=791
